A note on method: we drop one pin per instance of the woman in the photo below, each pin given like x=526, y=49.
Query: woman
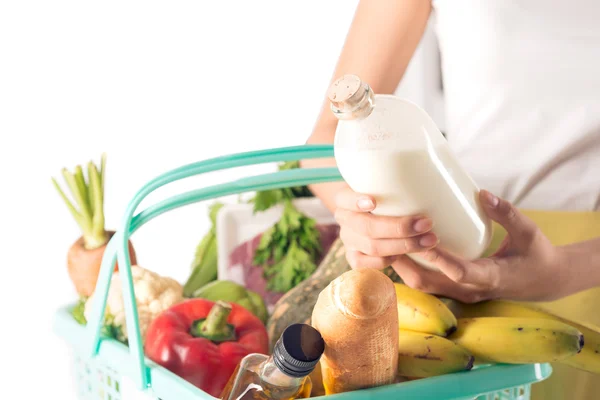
x=522, y=89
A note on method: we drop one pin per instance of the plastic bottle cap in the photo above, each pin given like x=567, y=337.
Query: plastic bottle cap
x=298, y=350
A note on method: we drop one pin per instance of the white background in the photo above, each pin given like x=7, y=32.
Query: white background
x=155, y=85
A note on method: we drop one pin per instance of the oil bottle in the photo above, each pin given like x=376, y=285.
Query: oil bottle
x=284, y=374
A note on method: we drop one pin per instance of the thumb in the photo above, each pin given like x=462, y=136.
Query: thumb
x=520, y=228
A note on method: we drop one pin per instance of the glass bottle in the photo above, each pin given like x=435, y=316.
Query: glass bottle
x=391, y=149
x=284, y=374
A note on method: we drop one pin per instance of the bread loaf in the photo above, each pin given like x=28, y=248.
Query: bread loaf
x=296, y=306
x=357, y=316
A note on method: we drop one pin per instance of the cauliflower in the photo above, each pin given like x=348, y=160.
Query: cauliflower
x=153, y=295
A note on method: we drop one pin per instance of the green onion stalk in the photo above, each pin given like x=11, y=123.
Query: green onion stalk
x=87, y=208
x=89, y=198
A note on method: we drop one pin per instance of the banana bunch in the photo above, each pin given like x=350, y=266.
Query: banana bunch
x=424, y=321
x=441, y=336
x=422, y=312
x=421, y=355
x=517, y=340
x=588, y=359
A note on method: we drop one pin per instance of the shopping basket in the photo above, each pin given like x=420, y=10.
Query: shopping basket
x=106, y=369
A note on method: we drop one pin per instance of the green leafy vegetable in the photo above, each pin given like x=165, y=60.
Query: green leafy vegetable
x=266, y=199
x=289, y=249
x=294, y=267
x=78, y=312
x=109, y=329
x=207, y=241
x=204, y=265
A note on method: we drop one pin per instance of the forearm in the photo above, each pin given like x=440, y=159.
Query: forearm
x=380, y=43
x=583, y=263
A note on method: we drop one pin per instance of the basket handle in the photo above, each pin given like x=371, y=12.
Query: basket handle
x=117, y=248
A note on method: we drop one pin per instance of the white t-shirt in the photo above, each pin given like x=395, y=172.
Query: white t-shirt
x=522, y=95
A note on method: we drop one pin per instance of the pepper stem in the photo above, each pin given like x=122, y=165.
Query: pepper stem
x=215, y=327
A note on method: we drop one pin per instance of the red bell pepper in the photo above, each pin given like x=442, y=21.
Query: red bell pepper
x=203, y=341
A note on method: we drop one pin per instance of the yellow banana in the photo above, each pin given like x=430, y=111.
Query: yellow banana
x=589, y=357
x=422, y=312
x=517, y=340
x=422, y=355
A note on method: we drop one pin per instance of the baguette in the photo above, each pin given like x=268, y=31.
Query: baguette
x=357, y=316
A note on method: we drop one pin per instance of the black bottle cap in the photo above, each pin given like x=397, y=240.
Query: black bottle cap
x=298, y=350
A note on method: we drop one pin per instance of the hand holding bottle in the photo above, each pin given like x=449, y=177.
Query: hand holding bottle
x=390, y=149
x=526, y=266
x=376, y=241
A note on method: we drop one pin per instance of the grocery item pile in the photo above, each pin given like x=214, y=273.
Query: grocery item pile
x=210, y=331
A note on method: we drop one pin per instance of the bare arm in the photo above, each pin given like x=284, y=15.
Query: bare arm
x=382, y=39
x=583, y=264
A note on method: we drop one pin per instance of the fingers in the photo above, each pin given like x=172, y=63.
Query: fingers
x=415, y=276
x=521, y=229
x=382, y=227
x=436, y=283
x=358, y=260
x=351, y=201
x=386, y=247
x=484, y=273
x=370, y=239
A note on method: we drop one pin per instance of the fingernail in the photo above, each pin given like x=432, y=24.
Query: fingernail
x=365, y=204
x=428, y=240
x=423, y=225
x=491, y=199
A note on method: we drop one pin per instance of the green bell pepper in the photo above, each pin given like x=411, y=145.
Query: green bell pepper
x=232, y=292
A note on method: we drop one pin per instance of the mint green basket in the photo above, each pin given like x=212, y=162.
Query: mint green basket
x=103, y=365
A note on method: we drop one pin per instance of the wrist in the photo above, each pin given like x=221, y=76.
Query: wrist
x=581, y=264
x=569, y=278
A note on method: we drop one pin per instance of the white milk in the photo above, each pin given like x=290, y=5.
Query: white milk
x=391, y=149
x=411, y=182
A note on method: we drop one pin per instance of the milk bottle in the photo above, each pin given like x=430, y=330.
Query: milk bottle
x=391, y=149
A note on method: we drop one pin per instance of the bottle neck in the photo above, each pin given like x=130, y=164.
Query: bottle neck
x=274, y=376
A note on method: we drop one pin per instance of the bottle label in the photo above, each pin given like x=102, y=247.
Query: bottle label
x=372, y=137
x=377, y=130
